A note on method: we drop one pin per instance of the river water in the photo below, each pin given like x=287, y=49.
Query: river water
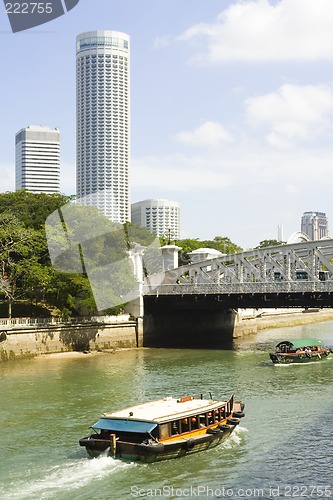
x=282, y=449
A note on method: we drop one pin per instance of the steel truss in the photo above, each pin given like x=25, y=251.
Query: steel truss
x=291, y=268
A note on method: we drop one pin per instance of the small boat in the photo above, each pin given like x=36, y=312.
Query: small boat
x=164, y=429
x=300, y=351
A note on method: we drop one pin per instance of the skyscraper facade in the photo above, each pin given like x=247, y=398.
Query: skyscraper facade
x=315, y=225
x=37, y=159
x=103, y=122
x=160, y=217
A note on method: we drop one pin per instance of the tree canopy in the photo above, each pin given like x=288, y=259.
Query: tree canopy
x=221, y=243
x=270, y=243
x=26, y=272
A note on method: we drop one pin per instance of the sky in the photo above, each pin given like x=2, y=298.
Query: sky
x=231, y=106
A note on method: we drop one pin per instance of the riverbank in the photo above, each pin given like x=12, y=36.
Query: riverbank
x=64, y=341
x=249, y=323
x=294, y=318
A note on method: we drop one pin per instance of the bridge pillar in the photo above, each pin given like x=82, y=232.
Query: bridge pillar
x=192, y=323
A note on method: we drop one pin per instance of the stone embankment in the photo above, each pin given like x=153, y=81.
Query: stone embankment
x=22, y=338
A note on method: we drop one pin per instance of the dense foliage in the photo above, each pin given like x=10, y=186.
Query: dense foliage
x=270, y=243
x=220, y=243
x=83, y=241
x=62, y=286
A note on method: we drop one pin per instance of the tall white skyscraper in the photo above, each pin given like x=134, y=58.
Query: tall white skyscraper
x=103, y=122
x=38, y=159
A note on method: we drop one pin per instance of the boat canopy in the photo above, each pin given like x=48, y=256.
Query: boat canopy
x=110, y=424
x=301, y=342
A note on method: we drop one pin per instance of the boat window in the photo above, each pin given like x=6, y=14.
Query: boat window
x=194, y=422
x=217, y=415
x=185, y=425
x=164, y=430
x=175, y=427
x=203, y=420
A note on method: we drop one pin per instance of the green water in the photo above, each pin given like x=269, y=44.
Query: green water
x=283, y=447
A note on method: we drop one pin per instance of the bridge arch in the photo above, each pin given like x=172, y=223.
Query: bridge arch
x=298, y=235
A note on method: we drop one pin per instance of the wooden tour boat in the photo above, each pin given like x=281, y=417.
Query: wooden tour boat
x=163, y=429
x=299, y=351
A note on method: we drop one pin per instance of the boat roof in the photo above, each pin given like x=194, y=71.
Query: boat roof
x=112, y=424
x=165, y=410
x=307, y=341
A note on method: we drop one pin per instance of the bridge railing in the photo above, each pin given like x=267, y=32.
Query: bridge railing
x=237, y=288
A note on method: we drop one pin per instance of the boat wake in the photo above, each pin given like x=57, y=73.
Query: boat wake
x=235, y=438
x=69, y=476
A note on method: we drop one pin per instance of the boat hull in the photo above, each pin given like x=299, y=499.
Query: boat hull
x=140, y=452
x=283, y=358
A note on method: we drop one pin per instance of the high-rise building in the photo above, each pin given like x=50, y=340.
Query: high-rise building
x=160, y=217
x=103, y=122
x=315, y=225
x=37, y=159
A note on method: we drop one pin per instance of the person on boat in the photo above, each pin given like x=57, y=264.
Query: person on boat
x=307, y=351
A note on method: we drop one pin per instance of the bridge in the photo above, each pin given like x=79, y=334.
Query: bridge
x=201, y=296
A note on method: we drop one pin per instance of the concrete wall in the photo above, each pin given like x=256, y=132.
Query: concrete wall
x=31, y=342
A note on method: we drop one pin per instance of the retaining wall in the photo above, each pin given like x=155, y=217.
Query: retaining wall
x=32, y=341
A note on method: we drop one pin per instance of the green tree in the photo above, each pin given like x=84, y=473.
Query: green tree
x=32, y=209
x=270, y=243
x=220, y=243
x=16, y=248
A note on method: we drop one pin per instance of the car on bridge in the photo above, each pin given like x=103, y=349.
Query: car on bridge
x=302, y=275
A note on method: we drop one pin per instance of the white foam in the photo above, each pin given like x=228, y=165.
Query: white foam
x=69, y=476
x=235, y=437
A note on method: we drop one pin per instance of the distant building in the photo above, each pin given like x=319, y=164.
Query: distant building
x=160, y=217
x=280, y=233
x=315, y=225
x=37, y=159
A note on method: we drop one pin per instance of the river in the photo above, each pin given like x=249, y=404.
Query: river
x=282, y=449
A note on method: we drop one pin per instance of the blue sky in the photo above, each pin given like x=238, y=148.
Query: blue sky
x=231, y=106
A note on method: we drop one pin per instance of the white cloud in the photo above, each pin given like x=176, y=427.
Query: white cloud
x=292, y=113
x=292, y=189
x=251, y=166
x=242, y=192
x=209, y=134
x=180, y=173
x=256, y=30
